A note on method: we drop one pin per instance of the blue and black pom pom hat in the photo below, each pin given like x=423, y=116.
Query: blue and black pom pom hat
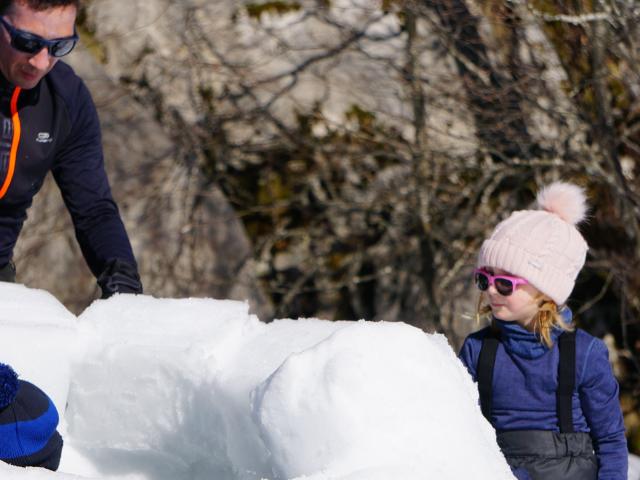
x=28, y=422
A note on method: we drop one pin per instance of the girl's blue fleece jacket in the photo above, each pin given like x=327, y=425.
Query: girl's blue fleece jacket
x=525, y=380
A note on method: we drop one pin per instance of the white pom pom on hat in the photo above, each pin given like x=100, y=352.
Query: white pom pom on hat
x=566, y=200
x=543, y=246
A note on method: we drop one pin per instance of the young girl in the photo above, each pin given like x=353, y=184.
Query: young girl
x=546, y=387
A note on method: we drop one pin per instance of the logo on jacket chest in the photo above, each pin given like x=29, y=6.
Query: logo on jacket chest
x=44, y=137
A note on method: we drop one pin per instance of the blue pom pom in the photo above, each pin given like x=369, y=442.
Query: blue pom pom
x=8, y=385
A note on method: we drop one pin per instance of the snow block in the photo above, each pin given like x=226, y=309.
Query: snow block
x=167, y=389
x=149, y=396
x=376, y=397
x=38, y=339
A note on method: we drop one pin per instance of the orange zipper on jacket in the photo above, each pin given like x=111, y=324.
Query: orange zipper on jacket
x=15, y=119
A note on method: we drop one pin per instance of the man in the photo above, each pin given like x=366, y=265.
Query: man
x=49, y=123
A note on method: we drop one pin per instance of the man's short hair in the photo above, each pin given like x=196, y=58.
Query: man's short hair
x=38, y=4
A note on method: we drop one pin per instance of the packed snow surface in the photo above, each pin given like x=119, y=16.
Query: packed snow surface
x=195, y=389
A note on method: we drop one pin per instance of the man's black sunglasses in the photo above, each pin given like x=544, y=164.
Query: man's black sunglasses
x=28, y=42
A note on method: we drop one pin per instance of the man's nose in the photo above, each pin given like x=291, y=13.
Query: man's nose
x=41, y=59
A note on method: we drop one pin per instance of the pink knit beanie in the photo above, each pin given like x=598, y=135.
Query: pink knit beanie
x=543, y=246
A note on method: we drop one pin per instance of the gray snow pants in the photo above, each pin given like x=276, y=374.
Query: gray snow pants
x=549, y=455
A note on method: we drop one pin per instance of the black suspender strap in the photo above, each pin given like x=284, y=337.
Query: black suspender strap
x=566, y=380
x=486, y=361
x=566, y=377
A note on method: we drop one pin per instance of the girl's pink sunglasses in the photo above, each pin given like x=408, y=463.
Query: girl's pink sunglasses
x=505, y=285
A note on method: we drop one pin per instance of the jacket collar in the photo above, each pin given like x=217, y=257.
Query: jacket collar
x=27, y=97
x=523, y=343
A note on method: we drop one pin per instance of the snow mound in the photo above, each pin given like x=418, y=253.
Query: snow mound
x=166, y=389
x=377, y=395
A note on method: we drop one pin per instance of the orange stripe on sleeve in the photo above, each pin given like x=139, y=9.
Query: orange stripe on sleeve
x=15, y=118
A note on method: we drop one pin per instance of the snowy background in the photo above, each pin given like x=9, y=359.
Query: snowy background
x=196, y=389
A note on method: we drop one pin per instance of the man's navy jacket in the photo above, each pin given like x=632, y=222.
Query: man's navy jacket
x=54, y=127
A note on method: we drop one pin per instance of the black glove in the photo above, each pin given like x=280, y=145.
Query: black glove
x=119, y=277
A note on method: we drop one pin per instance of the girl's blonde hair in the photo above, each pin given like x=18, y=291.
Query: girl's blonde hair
x=547, y=318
